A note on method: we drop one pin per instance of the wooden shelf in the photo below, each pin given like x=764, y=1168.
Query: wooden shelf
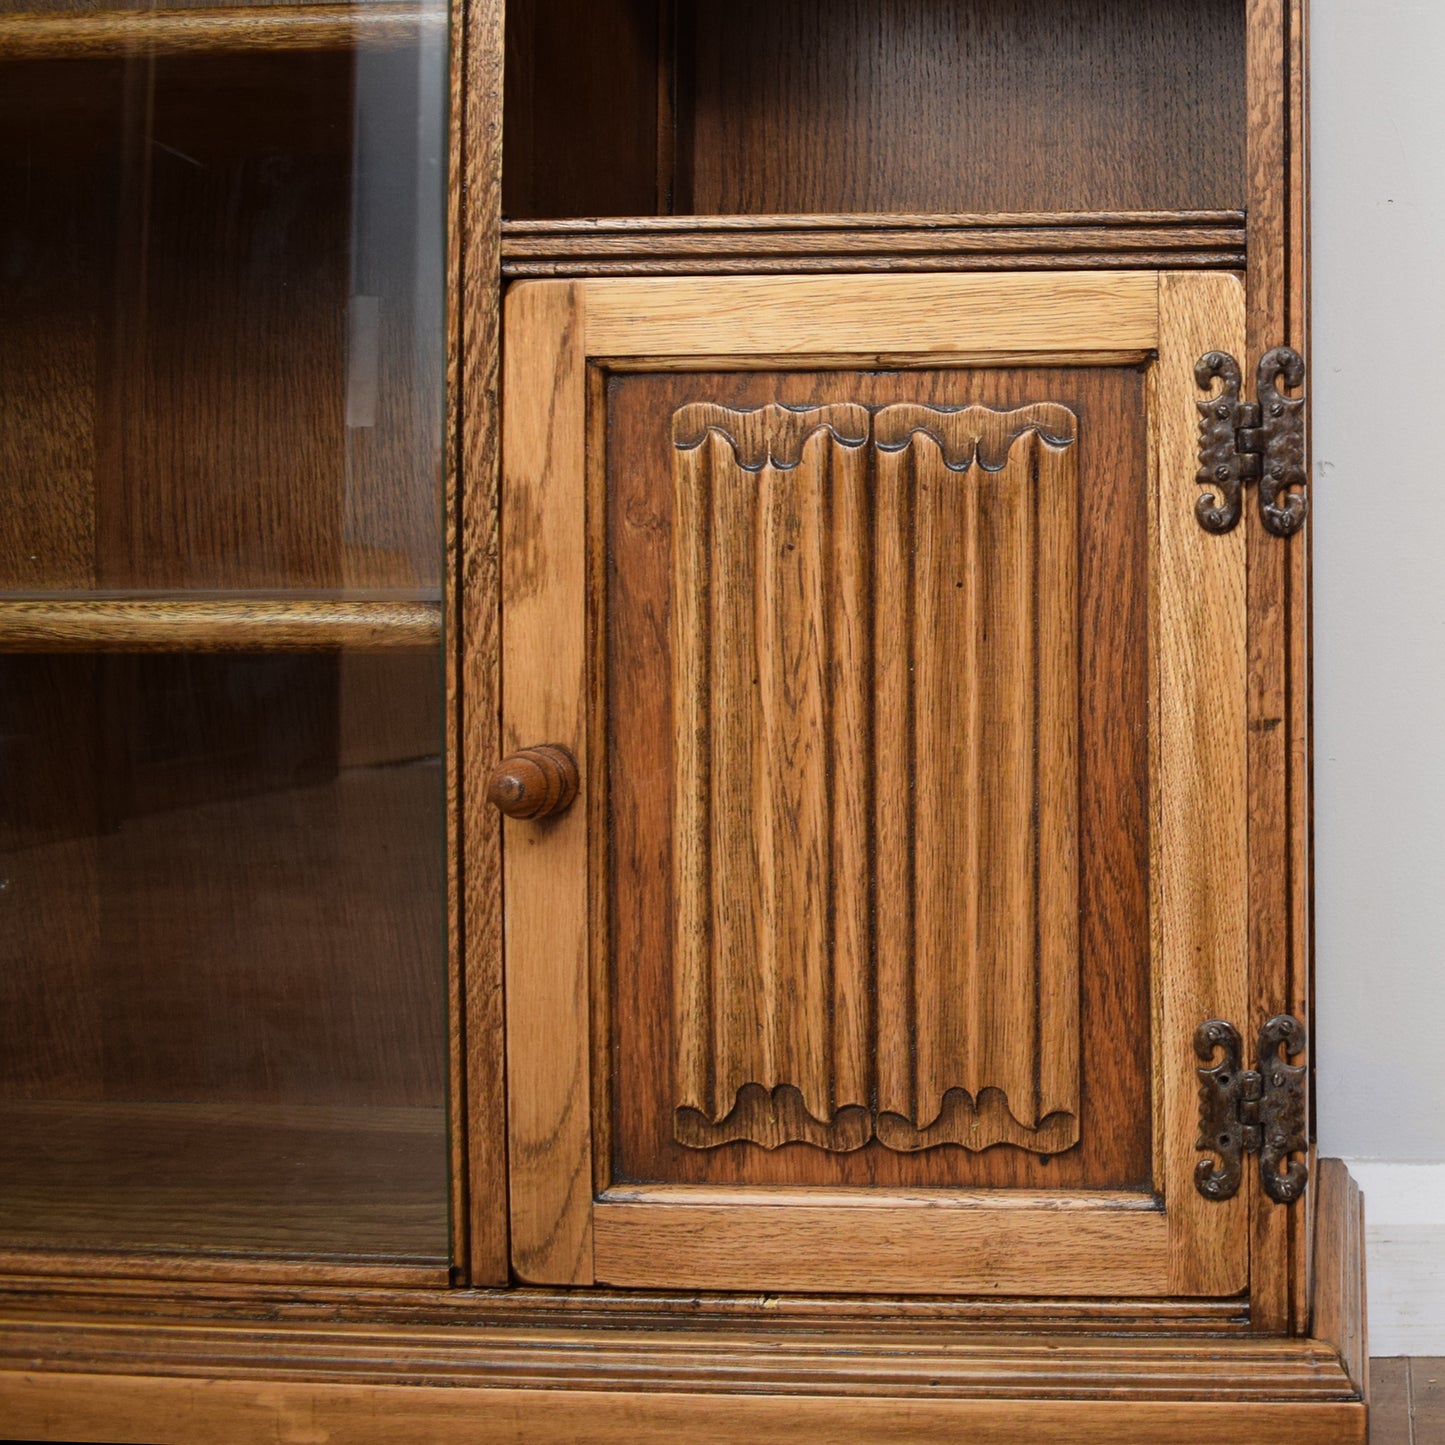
x=218, y=624
x=721, y=245
x=344, y=1183
x=113, y=33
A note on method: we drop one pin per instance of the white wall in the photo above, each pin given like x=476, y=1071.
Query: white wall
x=1379, y=550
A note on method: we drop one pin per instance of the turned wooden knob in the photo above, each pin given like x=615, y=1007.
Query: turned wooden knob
x=537, y=782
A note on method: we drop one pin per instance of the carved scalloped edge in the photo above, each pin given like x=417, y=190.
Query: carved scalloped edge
x=775, y=435
x=978, y=1124
x=772, y=435
x=974, y=433
x=773, y=1117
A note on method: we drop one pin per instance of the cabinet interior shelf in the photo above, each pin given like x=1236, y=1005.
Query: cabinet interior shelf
x=699, y=245
x=117, y=33
x=358, y=1185
x=216, y=624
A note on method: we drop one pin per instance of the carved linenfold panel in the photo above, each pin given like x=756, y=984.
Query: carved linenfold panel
x=769, y=435
x=772, y=658
x=974, y=433
x=875, y=858
x=772, y=1118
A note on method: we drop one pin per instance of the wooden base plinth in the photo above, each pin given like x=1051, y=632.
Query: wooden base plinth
x=124, y=1372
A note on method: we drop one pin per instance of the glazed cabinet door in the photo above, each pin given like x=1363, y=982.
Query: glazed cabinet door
x=907, y=701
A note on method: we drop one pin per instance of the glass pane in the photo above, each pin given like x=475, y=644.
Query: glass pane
x=222, y=803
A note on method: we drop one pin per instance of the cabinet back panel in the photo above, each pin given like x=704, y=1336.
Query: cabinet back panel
x=221, y=340
x=762, y=107
x=583, y=120
x=223, y=878
x=223, y=952
x=984, y=105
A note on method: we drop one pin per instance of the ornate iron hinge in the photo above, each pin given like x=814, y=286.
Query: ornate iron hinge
x=1248, y=1111
x=1252, y=441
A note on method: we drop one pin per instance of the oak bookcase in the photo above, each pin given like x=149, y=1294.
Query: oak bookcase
x=656, y=725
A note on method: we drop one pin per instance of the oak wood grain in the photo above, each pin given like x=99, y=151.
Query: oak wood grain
x=337, y=1184
x=476, y=198
x=1198, y=739
x=544, y=664
x=50, y=1286
x=75, y=35
x=862, y=221
x=1301, y=809
x=1113, y=946
x=175, y=1412
x=1272, y=920
x=978, y=305
x=874, y=105
x=459, y=1152
x=1339, y=1274
x=780, y=755
x=202, y=305
x=727, y=1361
x=566, y=62
x=976, y=638
x=891, y=237
x=1201, y=834
x=194, y=910
x=1279, y=607
x=869, y=315
x=476, y=104
x=911, y=1247
x=201, y=624
x=852, y=262
x=940, y=243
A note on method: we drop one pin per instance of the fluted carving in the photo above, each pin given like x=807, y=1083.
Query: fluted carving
x=875, y=859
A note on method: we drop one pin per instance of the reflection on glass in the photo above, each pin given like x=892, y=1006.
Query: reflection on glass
x=222, y=880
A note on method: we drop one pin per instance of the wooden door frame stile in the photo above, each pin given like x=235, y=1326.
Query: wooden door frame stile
x=1197, y=628
x=480, y=1245
x=1278, y=718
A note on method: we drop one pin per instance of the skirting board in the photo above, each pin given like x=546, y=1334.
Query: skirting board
x=1405, y=1255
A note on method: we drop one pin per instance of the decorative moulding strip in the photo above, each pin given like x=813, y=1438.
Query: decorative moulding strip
x=728, y=245
x=752, y=265
x=37, y=1284
x=869, y=1362
x=868, y=221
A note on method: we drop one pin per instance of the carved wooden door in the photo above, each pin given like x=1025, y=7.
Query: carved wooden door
x=908, y=698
